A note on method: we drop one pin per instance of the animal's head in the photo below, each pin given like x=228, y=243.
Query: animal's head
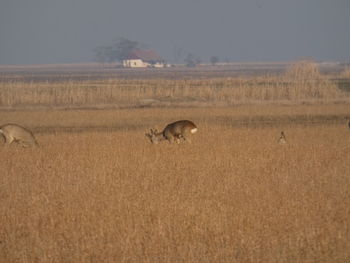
x=153, y=135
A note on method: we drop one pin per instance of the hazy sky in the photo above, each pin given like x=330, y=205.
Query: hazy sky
x=65, y=31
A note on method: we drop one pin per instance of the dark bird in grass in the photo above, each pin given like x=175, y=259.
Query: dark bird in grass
x=282, y=139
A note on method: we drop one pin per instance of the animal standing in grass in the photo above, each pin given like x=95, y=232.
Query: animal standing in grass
x=174, y=132
x=16, y=133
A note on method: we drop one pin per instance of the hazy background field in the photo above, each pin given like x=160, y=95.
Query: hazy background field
x=97, y=191
x=52, y=88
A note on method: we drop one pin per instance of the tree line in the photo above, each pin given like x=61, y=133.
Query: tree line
x=119, y=50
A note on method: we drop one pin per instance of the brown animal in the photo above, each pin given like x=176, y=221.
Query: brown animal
x=16, y=133
x=282, y=139
x=174, y=132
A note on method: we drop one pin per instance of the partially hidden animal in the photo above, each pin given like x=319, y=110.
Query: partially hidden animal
x=282, y=139
x=16, y=133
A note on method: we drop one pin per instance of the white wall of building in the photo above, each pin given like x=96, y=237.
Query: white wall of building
x=133, y=63
x=138, y=63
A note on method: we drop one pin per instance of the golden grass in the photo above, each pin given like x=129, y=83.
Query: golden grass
x=44, y=121
x=233, y=195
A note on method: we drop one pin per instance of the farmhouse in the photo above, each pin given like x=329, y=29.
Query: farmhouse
x=143, y=59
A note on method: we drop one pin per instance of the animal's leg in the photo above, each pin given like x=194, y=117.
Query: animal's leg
x=9, y=139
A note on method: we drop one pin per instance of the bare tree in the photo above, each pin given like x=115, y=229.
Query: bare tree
x=214, y=60
x=178, y=53
x=104, y=54
x=192, y=60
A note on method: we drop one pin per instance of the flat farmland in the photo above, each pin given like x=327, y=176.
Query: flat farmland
x=96, y=189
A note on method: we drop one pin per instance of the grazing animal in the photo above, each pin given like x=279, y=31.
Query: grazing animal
x=16, y=133
x=282, y=139
x=174, y=132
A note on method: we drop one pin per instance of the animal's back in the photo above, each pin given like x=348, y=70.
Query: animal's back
x=181, y=127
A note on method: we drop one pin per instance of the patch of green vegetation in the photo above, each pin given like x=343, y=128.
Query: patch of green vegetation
x=343, y=84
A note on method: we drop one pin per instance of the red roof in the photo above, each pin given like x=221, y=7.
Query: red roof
x=145, y=55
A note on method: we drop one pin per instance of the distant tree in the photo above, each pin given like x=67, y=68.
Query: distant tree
x=117, y=51
x=226, y=60
x=214, y=60
x=192, y=60
x=177, y=52
x=104, y=54
x=124, y=46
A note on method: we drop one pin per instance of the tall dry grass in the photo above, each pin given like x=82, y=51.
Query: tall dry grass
x=345, y=73
x=302, y=82
x=233, y=195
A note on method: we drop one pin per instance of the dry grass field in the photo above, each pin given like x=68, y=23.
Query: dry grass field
x=302, y=82
x=96, y=190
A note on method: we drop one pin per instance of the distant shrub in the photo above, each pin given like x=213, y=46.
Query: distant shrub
x=303, y=69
